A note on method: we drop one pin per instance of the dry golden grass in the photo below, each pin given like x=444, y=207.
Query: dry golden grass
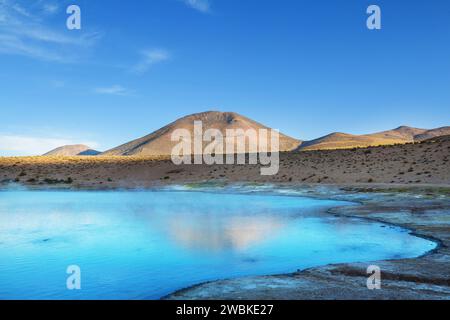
x=77, y=159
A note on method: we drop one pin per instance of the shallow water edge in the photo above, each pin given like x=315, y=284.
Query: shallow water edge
x=423, y=277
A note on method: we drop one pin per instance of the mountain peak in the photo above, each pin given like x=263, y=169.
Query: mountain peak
x=160, y=142
x=214, y=116
x=408, y=128
x=403, y=127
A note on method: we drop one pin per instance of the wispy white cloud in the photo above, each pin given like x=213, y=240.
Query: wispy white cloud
x=50, y=8
x=18, y=145
x=24, y=31
x=149, y=58
x=200, y=5
x=20, y=10
x=116, y=90
x=15, y=45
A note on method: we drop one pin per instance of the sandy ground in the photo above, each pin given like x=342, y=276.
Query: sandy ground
x=424, y=163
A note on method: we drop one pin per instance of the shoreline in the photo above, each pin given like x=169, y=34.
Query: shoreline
x=237, y=288
x=439, y=243
x=350, y=187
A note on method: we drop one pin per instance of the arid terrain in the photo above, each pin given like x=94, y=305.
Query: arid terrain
x=408, y=164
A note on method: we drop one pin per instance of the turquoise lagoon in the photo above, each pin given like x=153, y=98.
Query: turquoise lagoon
x=146, y=244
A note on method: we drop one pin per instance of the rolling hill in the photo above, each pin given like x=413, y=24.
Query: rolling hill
x=72, y=150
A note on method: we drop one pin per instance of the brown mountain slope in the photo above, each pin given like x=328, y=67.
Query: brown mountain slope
x=346, y=141
x=445, y=138
x=429, y=134
x=72, y=150
x=399, y=135
x=160, y=143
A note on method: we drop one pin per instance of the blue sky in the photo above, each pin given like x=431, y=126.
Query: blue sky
x=306, y=67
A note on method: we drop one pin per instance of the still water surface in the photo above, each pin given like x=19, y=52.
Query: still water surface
x=144, y=245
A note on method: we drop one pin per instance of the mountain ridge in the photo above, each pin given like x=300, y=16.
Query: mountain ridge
x=159, y=141
x=400, y=135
